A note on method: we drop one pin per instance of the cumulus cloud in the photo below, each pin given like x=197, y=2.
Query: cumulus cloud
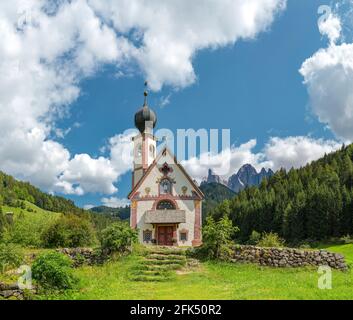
x=169, y=33
x=48, y=47
x=226, y=162
x=290, y=152
x=297, y=151
x=328, y=75
x=114, y=202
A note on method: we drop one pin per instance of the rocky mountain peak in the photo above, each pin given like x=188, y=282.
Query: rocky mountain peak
x=246, y=176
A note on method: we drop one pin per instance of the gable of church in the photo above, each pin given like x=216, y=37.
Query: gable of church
x=165, y=167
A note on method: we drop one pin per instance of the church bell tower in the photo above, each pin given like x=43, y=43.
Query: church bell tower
x=145, y=144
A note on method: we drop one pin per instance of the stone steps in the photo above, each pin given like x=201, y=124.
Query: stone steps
x=159, y=256
x=158, y=264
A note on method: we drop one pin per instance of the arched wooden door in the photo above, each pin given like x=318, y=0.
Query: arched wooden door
x=165, y=235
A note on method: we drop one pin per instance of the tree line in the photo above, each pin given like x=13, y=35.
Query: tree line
x=314, y=202
x=14, y=192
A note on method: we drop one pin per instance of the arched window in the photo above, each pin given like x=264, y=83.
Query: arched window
x=165, y=205
x=139, y=150
x=165, y=187
x=152, y=151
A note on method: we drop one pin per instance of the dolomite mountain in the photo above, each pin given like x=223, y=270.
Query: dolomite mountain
x=247, y=176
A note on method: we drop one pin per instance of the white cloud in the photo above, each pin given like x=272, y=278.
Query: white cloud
x=48, y=47
x=121, y=155
x=114, y=202
x=169, y=33
x=88, y=206
x=227, y=162
x=277, y=153
x=297, y=151
x=85, y=174
x=328, y=75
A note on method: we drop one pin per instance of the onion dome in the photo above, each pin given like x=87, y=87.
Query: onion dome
x=145, y=116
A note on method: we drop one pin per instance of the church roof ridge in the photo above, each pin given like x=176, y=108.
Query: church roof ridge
x=154, y=163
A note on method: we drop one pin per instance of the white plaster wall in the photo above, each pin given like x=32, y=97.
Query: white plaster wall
x=189, y=208
x=186, y=205
x=142, y=207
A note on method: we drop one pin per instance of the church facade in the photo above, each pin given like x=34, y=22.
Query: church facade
x=166, y=204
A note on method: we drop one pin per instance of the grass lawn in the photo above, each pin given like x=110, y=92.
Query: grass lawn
x=212, y=281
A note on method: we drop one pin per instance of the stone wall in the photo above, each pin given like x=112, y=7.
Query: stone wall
x=287, y=257
x=81, y=256
x=12, y=291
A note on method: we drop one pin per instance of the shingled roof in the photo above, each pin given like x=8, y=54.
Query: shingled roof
x=165, y=216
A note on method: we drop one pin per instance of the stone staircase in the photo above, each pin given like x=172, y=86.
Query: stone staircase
x=158, y=264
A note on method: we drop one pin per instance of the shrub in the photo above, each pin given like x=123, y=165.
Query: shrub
x=347, y=239
x=270, y=240
x=118, y=237
x=52, y=270
x=217, y=238
x=254, y=237
x=11, y=256
x=69, y=231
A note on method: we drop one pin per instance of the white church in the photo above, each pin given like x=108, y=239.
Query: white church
x=166, y=204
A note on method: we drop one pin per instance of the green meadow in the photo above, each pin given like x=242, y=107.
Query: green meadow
x=209, y=280
x=225, y=281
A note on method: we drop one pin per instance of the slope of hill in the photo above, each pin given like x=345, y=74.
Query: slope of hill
x=25, y=223
x=121, y=213
x=14, y=192
x=214, y=193
x=314, y=202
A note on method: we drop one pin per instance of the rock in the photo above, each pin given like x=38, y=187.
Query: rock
x=286, y=257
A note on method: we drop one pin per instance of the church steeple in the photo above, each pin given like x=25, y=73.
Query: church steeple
x=145, y=118
x=145, y=144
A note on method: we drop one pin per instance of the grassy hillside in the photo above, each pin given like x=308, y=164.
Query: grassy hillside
x=121, y=213
x=28, y=223
x=14, y=192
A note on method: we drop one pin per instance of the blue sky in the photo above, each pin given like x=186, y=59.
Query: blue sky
x=252, y=86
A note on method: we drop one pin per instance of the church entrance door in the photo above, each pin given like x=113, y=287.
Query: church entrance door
x=165, y=235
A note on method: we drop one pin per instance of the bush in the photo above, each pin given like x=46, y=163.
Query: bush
x=347, y=239
x=68, y=231
x=118, y=237
x=271, y=240
x=217, y=238
x=52, y=270
x=254, y=237
x=11, y=256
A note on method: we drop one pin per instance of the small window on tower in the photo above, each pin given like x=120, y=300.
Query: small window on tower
x=139, y=150
x=147, y=236
x=152, y=151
